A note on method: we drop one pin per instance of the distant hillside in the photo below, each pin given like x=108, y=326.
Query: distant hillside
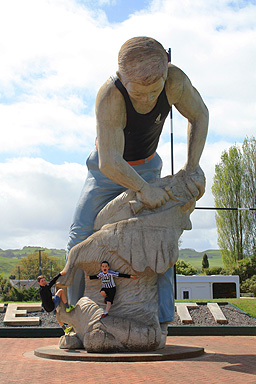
x=195, y=258
x=10, y=258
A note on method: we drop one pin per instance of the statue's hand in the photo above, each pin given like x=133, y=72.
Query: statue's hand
x=194, y=182
x=152, y=197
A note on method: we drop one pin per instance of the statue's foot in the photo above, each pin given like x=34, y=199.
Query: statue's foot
x=70, y=341
x=164, y=333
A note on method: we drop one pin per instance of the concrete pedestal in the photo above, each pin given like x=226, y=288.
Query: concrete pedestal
x=170, y=352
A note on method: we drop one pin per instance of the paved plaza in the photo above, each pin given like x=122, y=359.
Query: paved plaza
x=228, y=359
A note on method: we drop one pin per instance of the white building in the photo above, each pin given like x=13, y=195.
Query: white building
x=207, y=287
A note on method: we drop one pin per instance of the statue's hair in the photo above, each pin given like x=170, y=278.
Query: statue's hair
x=142, y=60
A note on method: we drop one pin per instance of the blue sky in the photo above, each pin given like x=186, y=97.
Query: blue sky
x=118, y=11
x=55, y=55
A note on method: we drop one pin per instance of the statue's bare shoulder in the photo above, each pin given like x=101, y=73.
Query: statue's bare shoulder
x=181, y=93
x=110, y=106
x=174, y=83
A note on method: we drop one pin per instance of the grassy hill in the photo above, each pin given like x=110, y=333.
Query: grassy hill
x=195, y=258
x=10, y=258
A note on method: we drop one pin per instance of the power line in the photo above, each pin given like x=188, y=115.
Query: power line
x=227, y=209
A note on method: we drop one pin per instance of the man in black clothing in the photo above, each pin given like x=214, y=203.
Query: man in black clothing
x=50, y=303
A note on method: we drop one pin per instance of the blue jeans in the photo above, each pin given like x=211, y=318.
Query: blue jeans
x=56, y=299
x=98, y=190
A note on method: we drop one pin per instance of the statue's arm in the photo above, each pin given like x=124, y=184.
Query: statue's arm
x=111, y=121
x=189, y=103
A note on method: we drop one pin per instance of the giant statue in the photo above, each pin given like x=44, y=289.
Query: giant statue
x=126, y=213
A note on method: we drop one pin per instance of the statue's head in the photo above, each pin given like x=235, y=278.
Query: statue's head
x=142, y=60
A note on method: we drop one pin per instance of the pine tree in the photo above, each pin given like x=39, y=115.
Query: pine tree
x=205, y=262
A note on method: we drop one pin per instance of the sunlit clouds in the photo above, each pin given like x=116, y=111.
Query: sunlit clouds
x=55, y=54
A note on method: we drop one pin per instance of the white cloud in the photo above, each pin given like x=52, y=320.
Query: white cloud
x=37, y=201
x=54, y=123
x=55, y=54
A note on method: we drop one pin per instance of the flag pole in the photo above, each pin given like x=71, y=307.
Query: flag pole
x=171, y=120
x=172, y=173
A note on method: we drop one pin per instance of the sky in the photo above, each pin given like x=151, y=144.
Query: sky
x=55, y=55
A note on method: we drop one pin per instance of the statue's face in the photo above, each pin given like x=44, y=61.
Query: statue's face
x=145, y=94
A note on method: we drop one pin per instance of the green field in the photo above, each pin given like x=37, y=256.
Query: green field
x=10, y=258
x=7, y=265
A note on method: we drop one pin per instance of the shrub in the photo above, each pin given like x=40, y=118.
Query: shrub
x=184, y=268
x=245, y=268
x=16, y=294
x=215, y=271
x=249, y=285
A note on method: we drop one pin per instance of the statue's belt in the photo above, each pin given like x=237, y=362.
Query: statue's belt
x=141, y=161
x=133, y=162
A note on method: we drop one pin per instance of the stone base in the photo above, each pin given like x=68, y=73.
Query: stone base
x=170, y=352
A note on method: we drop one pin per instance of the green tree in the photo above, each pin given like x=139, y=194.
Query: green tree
x=245, y=268
x=234, y=187
x=184, y=268
x=205, y=262
x=249, y=192
x=249, y=285
x=29, y=266
x=5, y=284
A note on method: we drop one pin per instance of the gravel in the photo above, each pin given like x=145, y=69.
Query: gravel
x=200, y=316
x=46, y=320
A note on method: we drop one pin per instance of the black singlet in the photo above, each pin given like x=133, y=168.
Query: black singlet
x=142, y=131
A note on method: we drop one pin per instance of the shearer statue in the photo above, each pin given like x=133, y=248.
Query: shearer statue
x=131, y=109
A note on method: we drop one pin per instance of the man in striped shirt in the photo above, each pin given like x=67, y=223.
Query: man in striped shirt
x=108, y=289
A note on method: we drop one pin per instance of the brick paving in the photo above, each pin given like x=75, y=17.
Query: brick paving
x=228, y=359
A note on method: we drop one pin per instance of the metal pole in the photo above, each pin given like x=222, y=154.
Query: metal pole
x=19, y=276
x=40, y=262
x=51, y=267
x=171, y=120
x=172, y=173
